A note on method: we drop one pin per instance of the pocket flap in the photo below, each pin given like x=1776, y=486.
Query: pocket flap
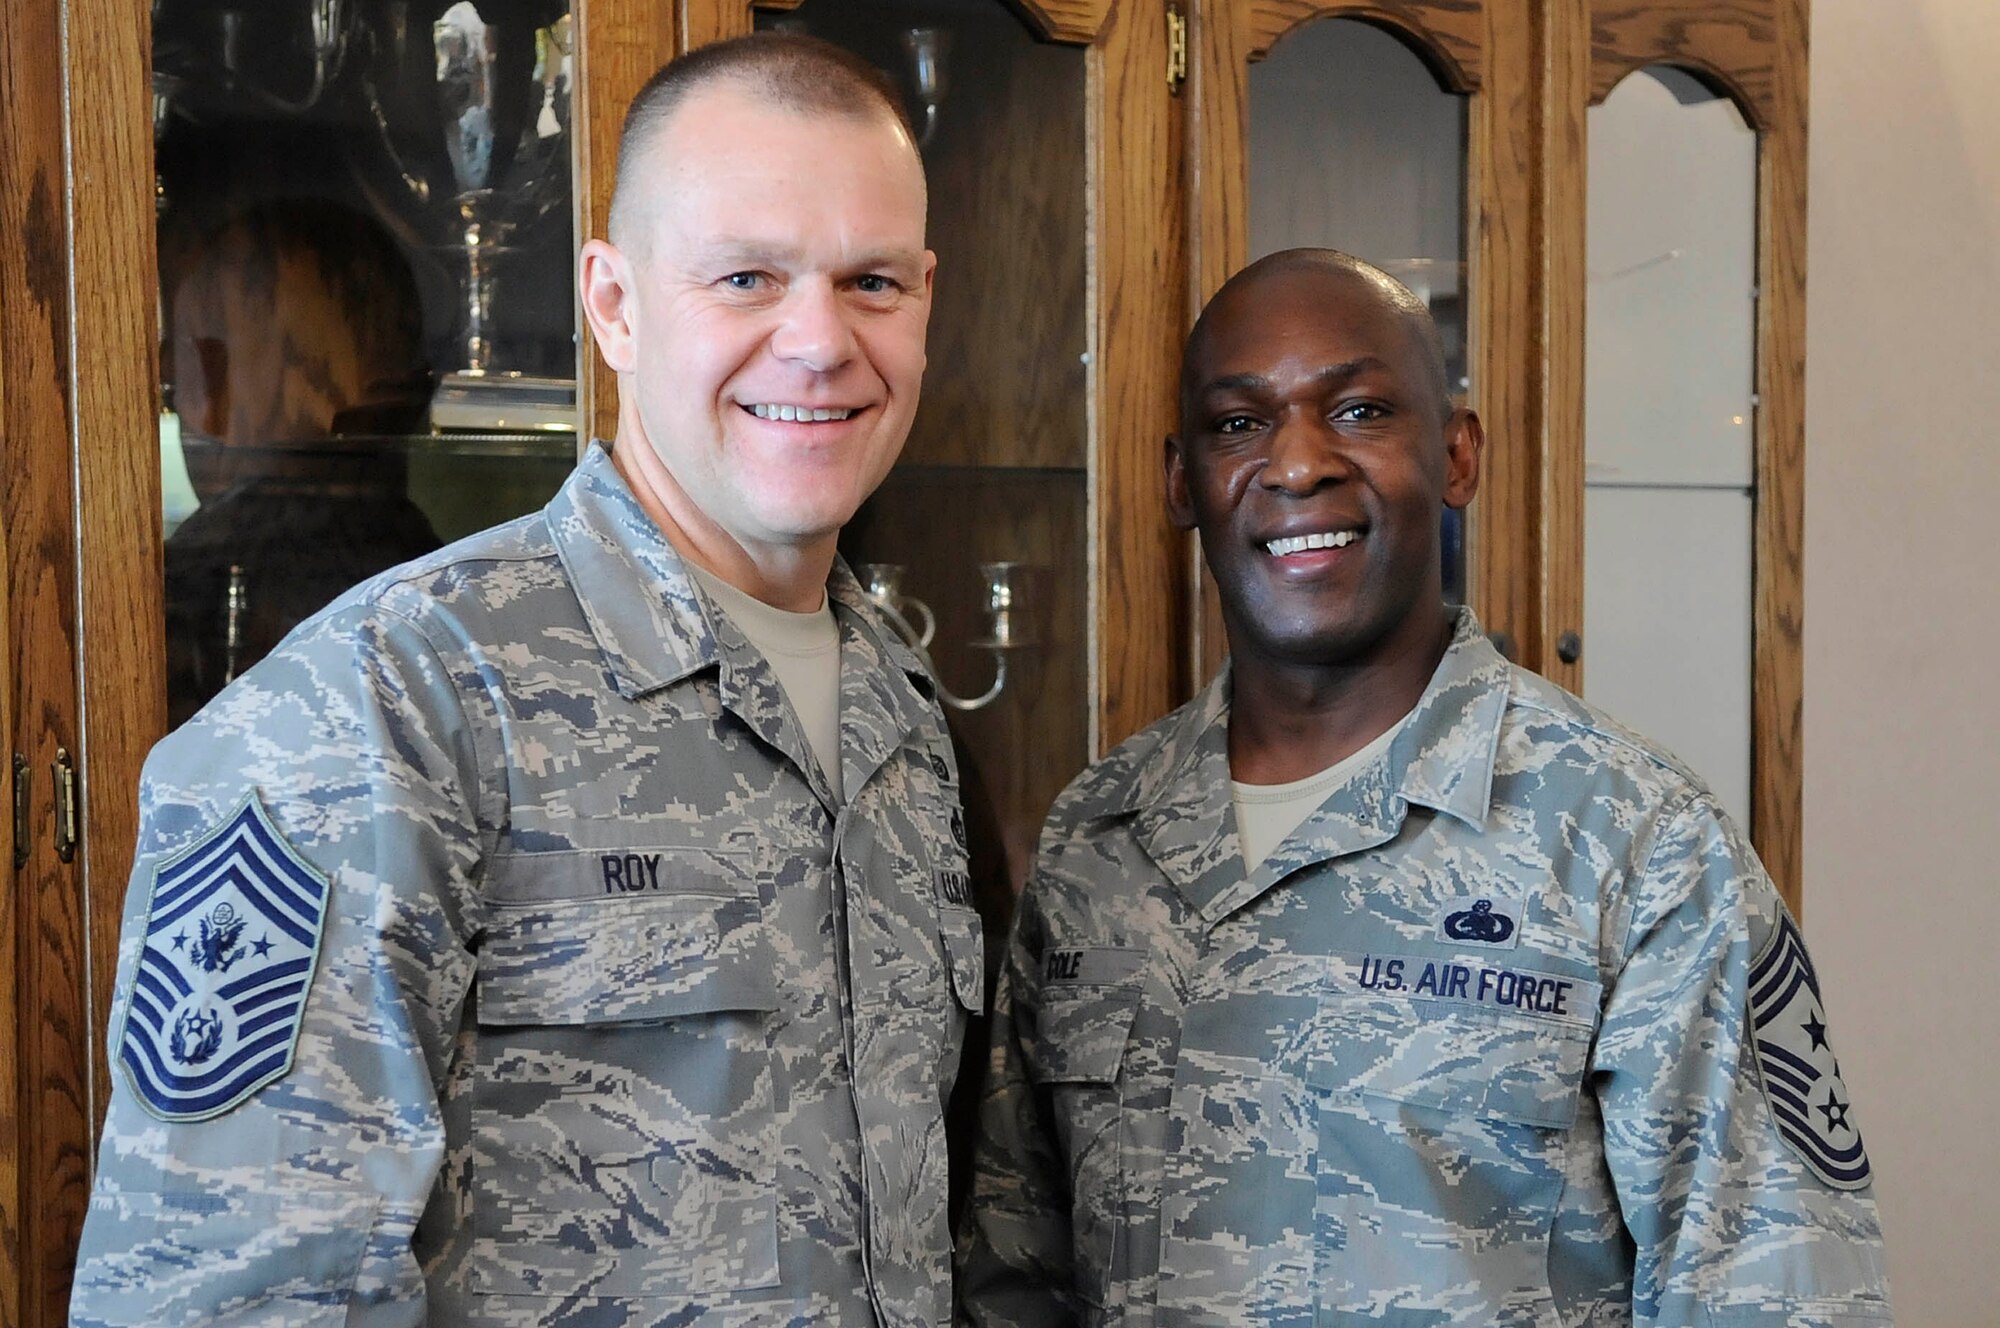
x=624, y=960
x=1516, y=1070
x=1082, y=1034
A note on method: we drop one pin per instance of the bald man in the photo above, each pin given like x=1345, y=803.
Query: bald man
x=1387, y=983
x=572, y=927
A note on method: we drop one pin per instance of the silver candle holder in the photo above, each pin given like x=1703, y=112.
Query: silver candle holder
x=1009, y=630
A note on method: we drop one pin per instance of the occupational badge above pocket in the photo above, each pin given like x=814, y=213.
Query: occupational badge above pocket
x=217, y=998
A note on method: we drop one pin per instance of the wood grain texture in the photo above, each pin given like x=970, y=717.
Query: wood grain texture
x=1139, y=265
x=1733, y=43
x=1450, y=35
x=705, y=21
x=620, y=44
x=1565, y=292
x=10, y=919
x=119, y=542
x=1506, y=145
x=1074, y=21
x=47, y=1111
x=1777, y=756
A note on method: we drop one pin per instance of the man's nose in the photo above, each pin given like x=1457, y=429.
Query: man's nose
x=814, y=330
x=1305, y=453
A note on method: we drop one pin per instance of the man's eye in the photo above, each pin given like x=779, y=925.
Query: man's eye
x=874, y=284
x=744, y=281
x=1235, y=424
x=1360, y=412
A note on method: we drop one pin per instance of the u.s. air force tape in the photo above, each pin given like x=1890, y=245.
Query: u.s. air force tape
x=1499, y=987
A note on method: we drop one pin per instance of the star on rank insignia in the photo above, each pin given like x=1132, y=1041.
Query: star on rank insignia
x=1796, y=1064
x=232, y=936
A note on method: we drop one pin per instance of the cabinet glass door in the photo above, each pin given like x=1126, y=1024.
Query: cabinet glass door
x=368, y=344
x=979, y=537
x=1670, y=363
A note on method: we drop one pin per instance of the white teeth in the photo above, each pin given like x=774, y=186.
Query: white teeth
x=1338, y=539
x=794, y=414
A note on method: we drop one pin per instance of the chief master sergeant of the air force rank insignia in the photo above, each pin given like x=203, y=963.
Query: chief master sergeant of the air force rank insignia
x=232, y=936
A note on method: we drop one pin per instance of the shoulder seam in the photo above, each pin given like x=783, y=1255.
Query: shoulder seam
x=1624, y=741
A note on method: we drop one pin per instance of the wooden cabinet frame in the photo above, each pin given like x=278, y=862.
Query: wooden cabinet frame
x=78, y=374
x=1754, y=52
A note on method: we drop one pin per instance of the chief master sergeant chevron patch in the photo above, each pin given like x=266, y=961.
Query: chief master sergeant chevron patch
x=1795, y=1062
x=231, y=940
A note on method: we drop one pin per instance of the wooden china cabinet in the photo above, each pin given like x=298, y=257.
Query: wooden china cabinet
x=254, y=216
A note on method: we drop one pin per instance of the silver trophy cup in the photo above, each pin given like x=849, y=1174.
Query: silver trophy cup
x=480, y=156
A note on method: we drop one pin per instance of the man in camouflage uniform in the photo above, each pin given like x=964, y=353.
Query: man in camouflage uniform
x=1503, y=1023
x=511, y=947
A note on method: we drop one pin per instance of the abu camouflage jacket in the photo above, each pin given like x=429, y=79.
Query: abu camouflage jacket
x=496, y=955
x=1513, y=1030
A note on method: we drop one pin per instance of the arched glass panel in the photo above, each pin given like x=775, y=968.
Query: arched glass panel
x=982, y=524
x=1670, y=467
x=1355, y=146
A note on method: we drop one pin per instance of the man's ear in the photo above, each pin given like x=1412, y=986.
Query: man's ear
x=1464, y=442
x=1180, y=506
x=605, y=283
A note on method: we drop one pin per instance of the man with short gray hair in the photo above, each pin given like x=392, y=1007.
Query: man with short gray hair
x=572, y=927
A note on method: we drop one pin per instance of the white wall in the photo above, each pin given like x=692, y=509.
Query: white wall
x=1902, y=720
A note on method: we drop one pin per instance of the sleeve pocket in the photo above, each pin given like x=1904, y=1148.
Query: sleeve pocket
x=965, y=948
x=1082, y=1033
x=571, y=962
x=167, y=1260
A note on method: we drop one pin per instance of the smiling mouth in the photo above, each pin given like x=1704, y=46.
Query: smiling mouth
x=800, y=414
x=1329, y=539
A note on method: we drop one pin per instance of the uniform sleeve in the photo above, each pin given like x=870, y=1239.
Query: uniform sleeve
x=296, y=1204
x=1014, y=1249
x=1729, y=1136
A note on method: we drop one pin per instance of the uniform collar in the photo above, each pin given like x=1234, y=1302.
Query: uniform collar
x=655, y=626
x=650, y=618
x=1179, y=795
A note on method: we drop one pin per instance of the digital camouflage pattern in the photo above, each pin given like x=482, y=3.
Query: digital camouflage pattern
x=620, y=1019
x=1337, y=1091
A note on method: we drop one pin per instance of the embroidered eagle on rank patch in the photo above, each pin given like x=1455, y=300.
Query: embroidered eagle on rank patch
x=232, y=936
x=1796, y=1064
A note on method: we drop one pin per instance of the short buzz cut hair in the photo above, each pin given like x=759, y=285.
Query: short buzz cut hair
x=786, y=70
x=1415, y=313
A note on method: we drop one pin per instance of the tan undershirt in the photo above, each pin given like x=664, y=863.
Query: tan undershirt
x=1267, y=813
x=803, y=649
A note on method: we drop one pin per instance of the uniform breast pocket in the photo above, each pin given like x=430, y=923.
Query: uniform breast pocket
x=624, y=1135
x=1080, y=1045
x=1442, y=1139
